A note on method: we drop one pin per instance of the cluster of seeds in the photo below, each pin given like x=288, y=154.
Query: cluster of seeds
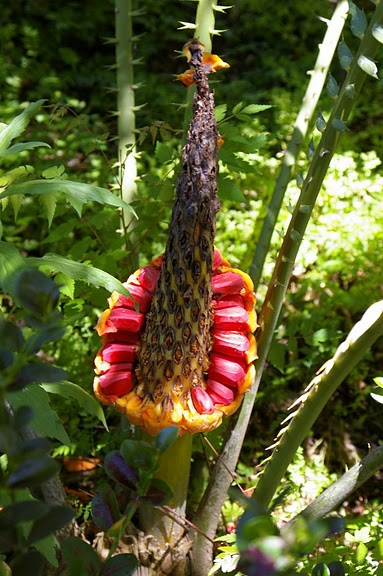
x=230, y=371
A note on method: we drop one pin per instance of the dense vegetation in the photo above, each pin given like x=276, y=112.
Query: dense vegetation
x=60, y=53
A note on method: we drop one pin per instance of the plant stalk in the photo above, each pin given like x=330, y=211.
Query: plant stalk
x=337, y=493
x=208, y=513
x=167, y=534
x=126, y=120
x=309, y=103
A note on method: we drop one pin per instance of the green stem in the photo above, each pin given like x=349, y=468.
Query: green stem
x=309, y=103
x=126, y=118
x=174, y=470
x=211, y=504
x=337, y=493
x=315, y=397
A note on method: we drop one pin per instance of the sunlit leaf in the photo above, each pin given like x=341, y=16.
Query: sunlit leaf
x=21, y=146
x=85, y=400
x=79, y=271
x=76, y=193
x=18, y=125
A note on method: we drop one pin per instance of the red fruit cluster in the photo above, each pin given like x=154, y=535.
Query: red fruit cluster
x=231, y=370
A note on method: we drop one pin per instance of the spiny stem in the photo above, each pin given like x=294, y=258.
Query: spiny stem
x=216, y=491
x=317, y=394
x=126, y=118
x=309, y=104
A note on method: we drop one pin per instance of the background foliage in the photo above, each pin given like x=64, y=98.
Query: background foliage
x=61, y=53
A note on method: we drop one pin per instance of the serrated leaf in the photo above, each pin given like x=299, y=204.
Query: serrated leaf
x=358, y=20
x=66, y=285
x=49, y=202
x=18, y=124
x=345, y=55
x=45, y=419
x=79, y=271
x=53, y=172
x=16, y=202
x=237, y=108
x=164, y=152
x=332, y=86
x=21, y=146
x=220, y=112
x=368, y=66
x=76, y=193
x=70, y=390
x=230, y=190
x=377, y=32
x=255, y=108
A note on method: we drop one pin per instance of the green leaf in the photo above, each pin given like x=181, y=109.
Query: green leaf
x=358, y=20
x=18, y=125
x=379, y=381
x=32, y=472
x=230, y=190
x=30, y=562
x=22, y=512
x=368, y=66
x=120, y=565
x=255, y=108
x=237, y=108
x=21, y=146
x=56, y=518
x=105, y=509
x=79, y=558
x=220, y=112
x=345, y=55
x=164, y=152
x=70, y=390
x=361, y=553
x=5, y=569
x=141, y=455
x=79, y=271
x=11, y=263
x=54, y=172
x=76, y=193
x=45, y=419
